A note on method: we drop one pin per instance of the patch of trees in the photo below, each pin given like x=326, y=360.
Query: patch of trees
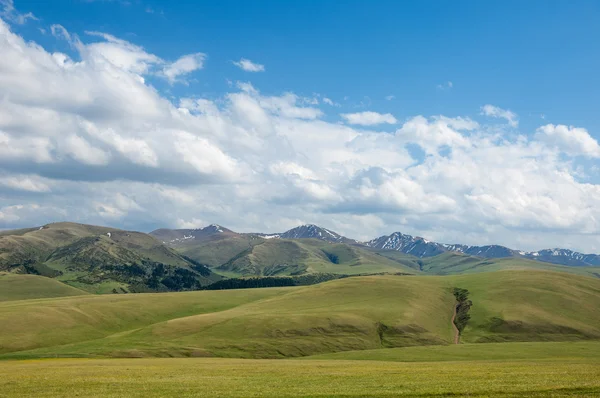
x=332, y=257
x=155, y=276
x=462, y=308
x=198, y=267
x=251, y=283
x=272, y=281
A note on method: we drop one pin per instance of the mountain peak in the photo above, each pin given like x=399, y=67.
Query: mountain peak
x=312, y=231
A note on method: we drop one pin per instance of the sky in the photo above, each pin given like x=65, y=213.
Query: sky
x=463, y=122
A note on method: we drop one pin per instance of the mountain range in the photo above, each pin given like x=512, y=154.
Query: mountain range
x=109, y=260
x=407, y=244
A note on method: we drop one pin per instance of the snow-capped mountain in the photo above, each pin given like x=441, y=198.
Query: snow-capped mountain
x=408, y=244
x=421, y=247
x=180, y=236
x=489, y=251
x=310, y=231
x=563, y=257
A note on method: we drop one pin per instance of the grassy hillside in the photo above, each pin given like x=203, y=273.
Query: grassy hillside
x=46, y=323
x=219, y=250
x=99, y=259
x=531, y=306
x=24, y=287
x=292, y=257
x=355, y=313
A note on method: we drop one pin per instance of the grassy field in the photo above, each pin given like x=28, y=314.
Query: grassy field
x=202, y=377
x=357, y=313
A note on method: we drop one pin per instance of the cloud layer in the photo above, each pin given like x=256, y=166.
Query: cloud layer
x=89, y=139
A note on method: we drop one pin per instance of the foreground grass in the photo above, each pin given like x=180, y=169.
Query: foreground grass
x=202, y=377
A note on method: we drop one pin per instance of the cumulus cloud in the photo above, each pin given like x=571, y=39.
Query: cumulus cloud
x=256, y=161
x=571, y=140
x=369, y=118
x=494, y=111
x=249, y=66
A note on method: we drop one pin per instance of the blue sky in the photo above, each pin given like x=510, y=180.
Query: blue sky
x=533, y=57
x=471, y=122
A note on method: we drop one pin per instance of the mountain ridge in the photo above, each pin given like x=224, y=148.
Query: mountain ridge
x=413, y=245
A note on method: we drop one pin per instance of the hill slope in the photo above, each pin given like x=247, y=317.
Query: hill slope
x=292, y=257
x=24, y=287
x=349, y=314
x=99, y=259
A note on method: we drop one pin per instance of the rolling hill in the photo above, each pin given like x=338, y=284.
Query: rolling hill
x=99, y=259
x=355, y=313
x=25, y=287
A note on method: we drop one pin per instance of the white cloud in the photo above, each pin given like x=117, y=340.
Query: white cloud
x=390, y=97
x=445, y=86
x=249, y=66
x=120, y=53
x=183, y=66
x=571, y=140
x=330, y=102
x=369, y=118
x=252, y=161
x=494, y=111
x=433, y=134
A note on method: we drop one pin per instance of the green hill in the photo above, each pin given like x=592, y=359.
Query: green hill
x=24, y=287
x=289, y=257
x=354, y=313
x=100, y=259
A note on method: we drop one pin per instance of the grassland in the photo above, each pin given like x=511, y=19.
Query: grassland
x=202, y=377
x=357, y=313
